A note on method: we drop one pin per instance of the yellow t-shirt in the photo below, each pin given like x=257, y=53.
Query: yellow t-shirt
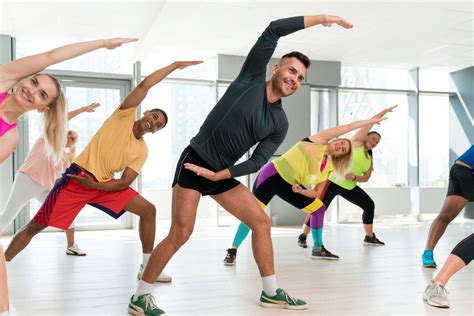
x=302, y=164
x=114, y=147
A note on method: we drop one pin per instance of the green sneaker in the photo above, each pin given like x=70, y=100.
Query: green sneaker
x=281, y=300
x=144, y=305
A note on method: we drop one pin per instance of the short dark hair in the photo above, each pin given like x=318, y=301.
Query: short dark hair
x=164, y=115
x=374, y=132
x=300, y=56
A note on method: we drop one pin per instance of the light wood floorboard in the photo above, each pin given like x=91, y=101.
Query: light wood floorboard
x=365, y=281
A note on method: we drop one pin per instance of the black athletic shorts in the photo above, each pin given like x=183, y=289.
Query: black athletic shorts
x=190, y=180
x=461, y=182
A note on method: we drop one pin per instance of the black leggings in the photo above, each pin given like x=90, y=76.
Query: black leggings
x=465, y=249
x=356, y=196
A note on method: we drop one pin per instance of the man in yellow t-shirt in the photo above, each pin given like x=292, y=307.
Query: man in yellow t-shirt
x=118, y=146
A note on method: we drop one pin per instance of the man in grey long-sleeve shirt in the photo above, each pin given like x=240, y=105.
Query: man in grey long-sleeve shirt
x=250, y=112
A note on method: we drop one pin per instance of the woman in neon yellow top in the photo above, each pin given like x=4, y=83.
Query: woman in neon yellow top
x=362, y=144
x=307, y=163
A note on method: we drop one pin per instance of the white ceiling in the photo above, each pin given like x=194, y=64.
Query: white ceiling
x=401, y=34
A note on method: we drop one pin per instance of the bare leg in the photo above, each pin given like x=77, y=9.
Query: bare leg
x=451, y=208
x=147, y=212
x=450, y=267
x=4, y=303
x=368, y=228
x=306, y=228
x=23, y=238
x=241, y=203
x=70, y=236
x=184, y=208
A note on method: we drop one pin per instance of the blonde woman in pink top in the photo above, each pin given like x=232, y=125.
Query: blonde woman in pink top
x=36, y=177
x=41, y=92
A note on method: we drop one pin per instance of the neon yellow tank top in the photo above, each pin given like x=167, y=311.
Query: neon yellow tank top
x=360, y=165
x=302, y=164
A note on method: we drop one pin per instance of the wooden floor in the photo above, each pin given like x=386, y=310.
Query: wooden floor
x=365, y=281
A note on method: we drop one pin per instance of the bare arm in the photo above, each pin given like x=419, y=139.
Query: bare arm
x=136, y=97
x=362, y=133
x=363, y=178
x=128, y=176
x=325, y=135
x=14, y=71
x=314, y=192
x=8, y=144
x=88, y=108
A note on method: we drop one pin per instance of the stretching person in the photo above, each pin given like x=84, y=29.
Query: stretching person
x=117, y=146
x=362, y=165
x=435, y=293
x=36, y=177
x=307, y=163
x=460, y=192
x=41, y=92
x=250, y=112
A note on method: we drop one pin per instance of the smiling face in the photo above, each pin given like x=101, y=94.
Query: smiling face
x=372, y=141
x=36, y=93
x=339, y=147
x=288, y=75
x=152, y=121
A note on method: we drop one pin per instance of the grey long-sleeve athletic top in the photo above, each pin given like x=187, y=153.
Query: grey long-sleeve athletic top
x=243, y=116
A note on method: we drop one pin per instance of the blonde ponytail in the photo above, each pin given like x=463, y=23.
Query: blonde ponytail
x=55, y=123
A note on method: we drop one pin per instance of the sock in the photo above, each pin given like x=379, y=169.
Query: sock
x=317, y=235
x=146, y=256
x=428, y=251
x=240, y=235
x=143, y=288
x=269, y=284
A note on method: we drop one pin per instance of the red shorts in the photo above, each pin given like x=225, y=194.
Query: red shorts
x=68, y=197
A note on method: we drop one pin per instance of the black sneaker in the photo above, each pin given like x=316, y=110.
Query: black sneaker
x=231, y=257
x=373, y=241
x=302, y=241
x=323, y=253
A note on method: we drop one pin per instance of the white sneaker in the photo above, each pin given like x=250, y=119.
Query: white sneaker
x=10, y=312
x=74, y=250
x=162, y=278
x=436, y=295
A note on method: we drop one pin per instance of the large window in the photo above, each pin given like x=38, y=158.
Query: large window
x=187, y=105
x=434, y=140
x=435, y=80
x=379, y=78
x=80, y=93
x=391, y=155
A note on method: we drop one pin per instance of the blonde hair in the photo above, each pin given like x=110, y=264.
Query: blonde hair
x=341, y=164
x=55, y=123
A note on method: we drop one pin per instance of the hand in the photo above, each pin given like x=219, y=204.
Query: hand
x=117, y=42
x=91, y=107
x=86, y=180
x=200, y=171
x=349, y=176
x=297, y=188
x=330, y=19
x=385, y=111
x=184, y=64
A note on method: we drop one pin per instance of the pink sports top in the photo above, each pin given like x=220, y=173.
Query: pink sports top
x=4, y=126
